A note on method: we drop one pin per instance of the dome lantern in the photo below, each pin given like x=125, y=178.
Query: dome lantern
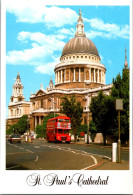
x=80, y=26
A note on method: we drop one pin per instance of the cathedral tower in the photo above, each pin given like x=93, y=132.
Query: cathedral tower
x=17, y=95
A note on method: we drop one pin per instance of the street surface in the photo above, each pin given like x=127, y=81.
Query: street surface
x=41, y=155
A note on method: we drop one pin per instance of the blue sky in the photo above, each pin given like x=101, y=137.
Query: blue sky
x=36, y=35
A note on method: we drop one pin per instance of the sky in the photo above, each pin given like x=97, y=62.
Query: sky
x=36, y=34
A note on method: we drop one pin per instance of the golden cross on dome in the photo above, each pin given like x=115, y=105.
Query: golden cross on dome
x=80, y=12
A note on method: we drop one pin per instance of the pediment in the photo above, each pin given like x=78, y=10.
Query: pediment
x=40, y=93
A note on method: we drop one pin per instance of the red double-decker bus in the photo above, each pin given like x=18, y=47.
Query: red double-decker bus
x=58, y=129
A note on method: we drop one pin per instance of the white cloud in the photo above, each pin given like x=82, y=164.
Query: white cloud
x=101, y=56
x=47, y=68
x=41, y=51
x=34, y=56
x=51, y=42
x=107, y=30
x=35, y=11
x=65, y=31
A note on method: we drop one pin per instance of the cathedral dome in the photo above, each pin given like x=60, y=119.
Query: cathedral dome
x=80, y=44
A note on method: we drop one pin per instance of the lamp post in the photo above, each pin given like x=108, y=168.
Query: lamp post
x=119, y=107
x=54, y=108
x=88, y=129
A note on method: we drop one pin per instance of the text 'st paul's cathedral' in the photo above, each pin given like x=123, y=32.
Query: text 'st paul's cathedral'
x=79, y=72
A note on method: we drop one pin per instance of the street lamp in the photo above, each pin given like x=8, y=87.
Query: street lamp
x=54, y=108
x=88, y=128
x=119, y=107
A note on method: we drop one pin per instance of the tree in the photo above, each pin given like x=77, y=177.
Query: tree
x=74, y=110
x=101, y=108
x=23, y=124
x=20, y=127
x=82, y=128
x=103, y=111
x=41, y=129
x=92, y=129
x=121, y=90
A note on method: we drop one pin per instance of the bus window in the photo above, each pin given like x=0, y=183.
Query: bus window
x=67, y=120
x=60, y=120
x=60, y=131
x=66, y=131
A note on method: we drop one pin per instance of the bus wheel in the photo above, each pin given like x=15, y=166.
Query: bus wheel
x=68, y=142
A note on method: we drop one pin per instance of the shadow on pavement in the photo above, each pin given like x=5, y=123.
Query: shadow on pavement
x=15, y=167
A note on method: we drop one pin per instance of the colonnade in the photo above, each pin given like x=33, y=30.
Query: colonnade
x=79, y=74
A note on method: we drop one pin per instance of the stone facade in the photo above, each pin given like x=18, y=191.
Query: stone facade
x=18, y=106
x=79, y=72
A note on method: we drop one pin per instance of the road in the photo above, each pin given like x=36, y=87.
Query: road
x=41, y=155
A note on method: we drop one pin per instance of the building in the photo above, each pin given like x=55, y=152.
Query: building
x=18, y=106
x=79, y=72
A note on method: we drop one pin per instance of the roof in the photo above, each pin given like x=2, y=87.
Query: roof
x=80, y=44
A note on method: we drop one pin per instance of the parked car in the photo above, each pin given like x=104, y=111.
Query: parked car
x=15, y=138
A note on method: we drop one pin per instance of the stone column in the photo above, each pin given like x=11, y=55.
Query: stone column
x=57, y=103
x=69, y=75
x=39, y=120
x=35, y=121
x=61, y=76
x=58, y=76
x=74, y=76
x=64, y=75
x=55, y=78
x=94, y=76
x=98, y=75
x=79, y=75
x=90, y=74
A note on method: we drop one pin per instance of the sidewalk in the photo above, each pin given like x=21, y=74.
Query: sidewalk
x=108, y=165
x=98, y=144
x=103, y=163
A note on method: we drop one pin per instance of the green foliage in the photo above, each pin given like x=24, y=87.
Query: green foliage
x=103, y=111
x=121, y=90
x=20, y=127
x=82, y=128
x=23, y=124
x=74, y=110
x=92, y=129
x=102, y=107
x=41, y=129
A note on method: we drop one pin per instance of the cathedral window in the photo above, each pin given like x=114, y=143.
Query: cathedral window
x=11, y=112
x=41, y=103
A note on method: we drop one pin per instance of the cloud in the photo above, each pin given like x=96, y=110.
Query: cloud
x=106, y=30
x=47, y=68
x=42, y=51
x=36, y=12
x=34, y=56
x=65, y=31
